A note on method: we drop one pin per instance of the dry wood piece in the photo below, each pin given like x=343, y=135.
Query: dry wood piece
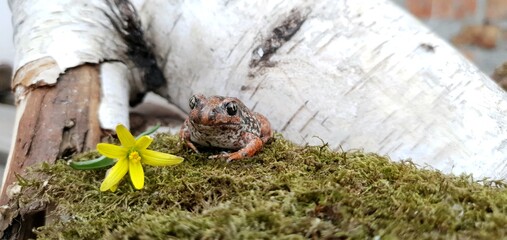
x=57, y=121
x=54, y=122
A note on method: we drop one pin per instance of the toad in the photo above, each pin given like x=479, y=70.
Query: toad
x=224, y=122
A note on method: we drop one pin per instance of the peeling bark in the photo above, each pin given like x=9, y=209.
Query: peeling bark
x=50, y=39
x=55, y=122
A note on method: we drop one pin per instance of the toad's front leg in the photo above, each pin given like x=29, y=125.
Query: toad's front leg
x=185, y=136
x=253, y=146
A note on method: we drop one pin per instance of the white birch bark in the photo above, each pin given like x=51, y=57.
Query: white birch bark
x=359, y=74
x=68, y=33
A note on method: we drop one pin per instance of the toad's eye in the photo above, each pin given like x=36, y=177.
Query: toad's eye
x=192, y=103
x=231, y=108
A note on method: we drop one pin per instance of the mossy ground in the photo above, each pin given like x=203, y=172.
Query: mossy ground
x=285, y=192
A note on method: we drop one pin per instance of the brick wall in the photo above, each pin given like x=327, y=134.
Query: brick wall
x=478, y=28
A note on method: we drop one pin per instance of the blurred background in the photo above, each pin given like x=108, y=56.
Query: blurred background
x=477, y=28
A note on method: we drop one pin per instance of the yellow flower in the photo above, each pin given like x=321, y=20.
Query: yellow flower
x=130, y=155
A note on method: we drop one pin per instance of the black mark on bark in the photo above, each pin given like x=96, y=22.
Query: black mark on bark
x=428, y=47
x=280, y=35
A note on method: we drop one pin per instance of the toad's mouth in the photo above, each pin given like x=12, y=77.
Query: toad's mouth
x=214, y=125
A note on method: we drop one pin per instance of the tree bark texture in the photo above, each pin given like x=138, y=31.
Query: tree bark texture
x=58, y=121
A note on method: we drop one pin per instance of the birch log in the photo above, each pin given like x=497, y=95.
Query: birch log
x=78, y=65
x=357, y=74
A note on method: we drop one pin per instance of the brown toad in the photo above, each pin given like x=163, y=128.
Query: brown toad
x=224, y=122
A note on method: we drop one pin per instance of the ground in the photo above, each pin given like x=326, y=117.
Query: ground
x=284, y=192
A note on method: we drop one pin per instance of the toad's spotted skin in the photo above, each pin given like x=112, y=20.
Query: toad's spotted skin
x=225, y=122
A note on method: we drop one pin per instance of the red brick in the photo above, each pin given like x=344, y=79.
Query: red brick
x=496, y=9
x=419, y=8
x=442, y=9
x=453, y=9
x=464, y=8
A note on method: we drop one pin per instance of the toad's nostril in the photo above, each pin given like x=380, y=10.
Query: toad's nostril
x=212, y=115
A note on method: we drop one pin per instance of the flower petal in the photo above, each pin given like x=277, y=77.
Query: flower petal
x=115, y=174
x=136, y=174
x=126, y=138
x=159, y=159
x=112, y=151
x=114, y=187
x=143, y=142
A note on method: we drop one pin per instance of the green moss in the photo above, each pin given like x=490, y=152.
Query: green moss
x=285, y=192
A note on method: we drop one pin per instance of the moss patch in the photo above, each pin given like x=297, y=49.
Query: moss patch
x=285, y=192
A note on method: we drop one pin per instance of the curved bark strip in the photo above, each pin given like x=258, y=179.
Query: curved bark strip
x=72, y=42
x=357, y=74
x=53, y=36
x=114, y=108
